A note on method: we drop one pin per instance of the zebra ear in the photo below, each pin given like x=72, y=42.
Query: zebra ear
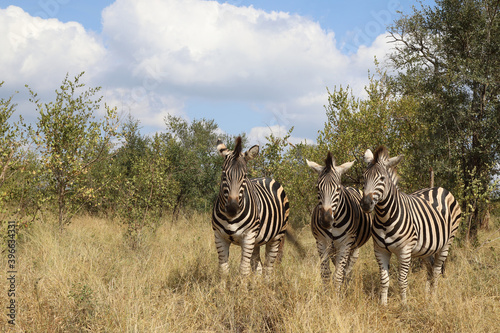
x=341, y=169
x=393, y=161
x=368, y=156
x=251, y=153
x=222, y=149
x=315, y=166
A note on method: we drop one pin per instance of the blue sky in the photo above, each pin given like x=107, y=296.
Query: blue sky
x=252, y=66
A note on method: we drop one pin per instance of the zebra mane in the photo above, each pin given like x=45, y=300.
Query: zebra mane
x=380, y=154
x=237, y=148
x=394, y=175
x=329, y=161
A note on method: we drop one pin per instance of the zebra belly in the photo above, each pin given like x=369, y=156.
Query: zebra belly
x=424, y=249
x=268, y=231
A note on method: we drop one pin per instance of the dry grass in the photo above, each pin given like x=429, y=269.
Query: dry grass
x=88, y=279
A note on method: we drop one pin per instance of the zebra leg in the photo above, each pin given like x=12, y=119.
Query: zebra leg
x=383, y=258
x=404, y=259
x=255, y=261
x=340, y=264
x=326, y=254
x=353, y=257
x=279, y=257
x=247, y=248
x=437, y=268
x=429, y=262
x=223, y=253
x=272, y=248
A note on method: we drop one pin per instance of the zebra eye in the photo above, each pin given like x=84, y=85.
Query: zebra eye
x=382, y=178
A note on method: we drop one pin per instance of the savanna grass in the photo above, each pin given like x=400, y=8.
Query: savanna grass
x=88, y=279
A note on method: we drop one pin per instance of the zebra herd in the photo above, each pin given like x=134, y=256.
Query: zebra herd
x=254, y=212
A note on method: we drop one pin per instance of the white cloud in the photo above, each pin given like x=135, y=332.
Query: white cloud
x=154, y=56
x=148, y=107
x=41, y=51
x=257, y=135
x=221, y=50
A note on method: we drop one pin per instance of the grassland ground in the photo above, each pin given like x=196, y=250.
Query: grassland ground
x=87, y=279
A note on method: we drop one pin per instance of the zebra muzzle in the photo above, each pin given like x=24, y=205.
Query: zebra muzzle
x=232, y=207
x=367, y=203
x=326, y=218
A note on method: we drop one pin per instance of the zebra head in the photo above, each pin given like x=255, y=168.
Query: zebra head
x=379, y=176
x=234, y=178
x=328, y=186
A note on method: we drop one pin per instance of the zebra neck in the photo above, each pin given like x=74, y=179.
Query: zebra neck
x=343, y=206
x=249, y=194
x=385, y=208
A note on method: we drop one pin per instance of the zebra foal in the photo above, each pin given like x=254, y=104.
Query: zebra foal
x=422, y=224
x=338, y=224
x=248, y=212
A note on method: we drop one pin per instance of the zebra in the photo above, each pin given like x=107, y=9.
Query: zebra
x=338, y=224
x=422, y=224
x=248, y=212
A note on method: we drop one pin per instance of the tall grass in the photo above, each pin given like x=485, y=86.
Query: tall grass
x=87, y=279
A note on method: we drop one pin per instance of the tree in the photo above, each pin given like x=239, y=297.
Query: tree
x=284, y=161
x=356, y=124
x=70, y=141
x=113, y=172
x=353, y=125
x=191, y=149
x=447, y=57
x=8, y=135
x=14, y=154
x=147, y=190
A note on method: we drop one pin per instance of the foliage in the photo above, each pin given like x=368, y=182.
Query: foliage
x=27, y=198
x=197, y=165
x=111, y=174
x=353, y=125
x=8, y=137
x=356, y=124
x=148, y=190
x=439, y=108
x=284, y=161
x=447, y=57
x=16, y=165
x=70, y=141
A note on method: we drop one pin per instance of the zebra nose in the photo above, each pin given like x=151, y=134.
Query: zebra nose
x=232, y=206
x=367, y=203
x=327, y=218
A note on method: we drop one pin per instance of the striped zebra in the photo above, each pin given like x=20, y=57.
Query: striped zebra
x=248, y=212
x=422, y=224
x=338, y=224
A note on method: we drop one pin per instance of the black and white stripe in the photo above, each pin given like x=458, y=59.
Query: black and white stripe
x=338, y=224
x=422, y=224
x=248, y=212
